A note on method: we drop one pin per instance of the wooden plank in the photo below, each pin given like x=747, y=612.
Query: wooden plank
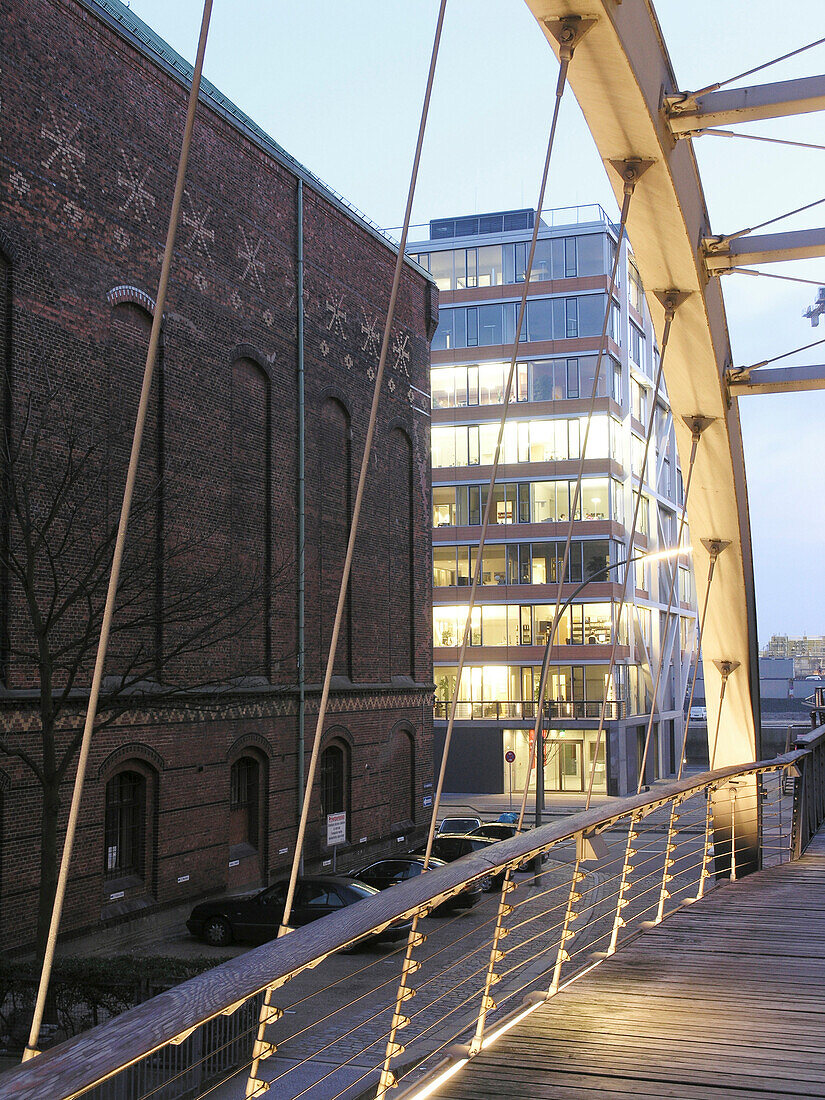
x=722, y=1000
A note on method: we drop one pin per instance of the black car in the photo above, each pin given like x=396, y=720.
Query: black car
x=494, y=830
x=500, y=830
x=255, y=918
x=450, y=846
x=389, y=872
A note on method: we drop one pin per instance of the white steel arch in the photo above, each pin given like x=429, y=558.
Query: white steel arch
x=620, y=74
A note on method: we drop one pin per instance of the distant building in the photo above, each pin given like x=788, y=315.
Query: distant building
x=479, y=265
x=194, y=783
x=808, y=652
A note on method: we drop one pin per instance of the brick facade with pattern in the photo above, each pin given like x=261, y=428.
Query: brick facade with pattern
x=91, y=125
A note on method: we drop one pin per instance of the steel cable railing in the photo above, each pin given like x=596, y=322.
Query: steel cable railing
x=607, y=876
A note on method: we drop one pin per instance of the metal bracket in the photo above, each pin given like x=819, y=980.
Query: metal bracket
x=698, y=424
x=590, y=848
x=670, y=300
x=726, y=668
x=630, y=170
x=678, y=103
x=568, y=32
x=715, y=547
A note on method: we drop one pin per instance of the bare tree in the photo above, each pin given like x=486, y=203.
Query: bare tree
x=177, y=606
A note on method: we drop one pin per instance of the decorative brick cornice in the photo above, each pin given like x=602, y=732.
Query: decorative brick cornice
x=22, y=716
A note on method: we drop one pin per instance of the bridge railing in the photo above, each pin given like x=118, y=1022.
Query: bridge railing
x=525, y=710
x=809, y=808
x=569, y=895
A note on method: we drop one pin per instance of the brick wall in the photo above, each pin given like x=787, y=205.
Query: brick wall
x=90, y=144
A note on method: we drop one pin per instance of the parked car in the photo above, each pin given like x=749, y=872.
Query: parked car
x=389, y=872
x=458, y=825
x=450, y=846
x=495, y=830
x=255, y=918
x=501, y=830
x=698, y=714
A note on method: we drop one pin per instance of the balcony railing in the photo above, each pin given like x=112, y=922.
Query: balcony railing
x=556, y=709
x=599, y=878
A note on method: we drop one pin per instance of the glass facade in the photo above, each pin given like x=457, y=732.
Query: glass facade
x=492, y=324
x=500, y=264
x=519, y=573
x=539, y=440
x=600, y=498
x=539, y=380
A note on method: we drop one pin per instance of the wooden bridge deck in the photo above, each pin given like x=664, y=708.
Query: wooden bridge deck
x=725, y=999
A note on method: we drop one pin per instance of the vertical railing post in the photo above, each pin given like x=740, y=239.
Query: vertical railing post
x=799, y=806
x=809, y=799
x=670, y=847
x=732, y=832
x=262, y=1049
x=705, y=873
x=496, y=955
x=566, y=933
x=409, y=967
x=624, y=886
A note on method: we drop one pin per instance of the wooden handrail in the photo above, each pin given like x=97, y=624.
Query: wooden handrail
x=94, y=1056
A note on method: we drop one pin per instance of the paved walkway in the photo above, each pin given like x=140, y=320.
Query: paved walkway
x=723, y=1000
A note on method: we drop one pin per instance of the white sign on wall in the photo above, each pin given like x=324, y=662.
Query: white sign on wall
x=336, y=829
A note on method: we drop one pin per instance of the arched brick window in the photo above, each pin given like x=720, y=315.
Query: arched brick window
x=6, y=311
x=400, y=574
x=138, y=650
x=401, y=780
x=332, y=505
x=244, y=802
x=124, y=844
x=335, y=779
x=249, y=502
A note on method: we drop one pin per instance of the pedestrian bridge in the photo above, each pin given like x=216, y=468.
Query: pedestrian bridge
x=667, y=944
x=625, y=954
x=722, y=1000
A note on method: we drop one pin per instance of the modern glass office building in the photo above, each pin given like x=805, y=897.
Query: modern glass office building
x=479, y=264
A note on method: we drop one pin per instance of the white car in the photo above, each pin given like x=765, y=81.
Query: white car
x=699, y=714
x=458, y=825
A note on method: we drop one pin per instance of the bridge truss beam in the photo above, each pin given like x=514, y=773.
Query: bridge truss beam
x=619, y=74
x=686, y=113
x=724, y=253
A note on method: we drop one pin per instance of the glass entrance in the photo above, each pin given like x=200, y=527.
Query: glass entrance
x=568, y=756
x=571, y=774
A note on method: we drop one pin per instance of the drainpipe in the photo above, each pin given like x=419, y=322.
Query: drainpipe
x=299, y=297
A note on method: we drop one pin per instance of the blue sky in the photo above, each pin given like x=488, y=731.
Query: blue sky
x=340, y=87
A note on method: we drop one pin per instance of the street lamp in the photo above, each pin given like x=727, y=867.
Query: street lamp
x=538, y=733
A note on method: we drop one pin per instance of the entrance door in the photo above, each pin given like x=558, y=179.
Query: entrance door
x=571, y=758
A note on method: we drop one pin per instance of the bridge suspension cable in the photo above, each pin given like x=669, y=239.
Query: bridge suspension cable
x=712, y=131
x=669, y=315
x=698, y=428
x=569, y=34
x=632, y=171
x=261, y=1048
x=773, y=275
x=31, y=1048
x=771, y=221
x=757, y=68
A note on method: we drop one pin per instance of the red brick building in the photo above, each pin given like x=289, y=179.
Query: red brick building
x=193, y=779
